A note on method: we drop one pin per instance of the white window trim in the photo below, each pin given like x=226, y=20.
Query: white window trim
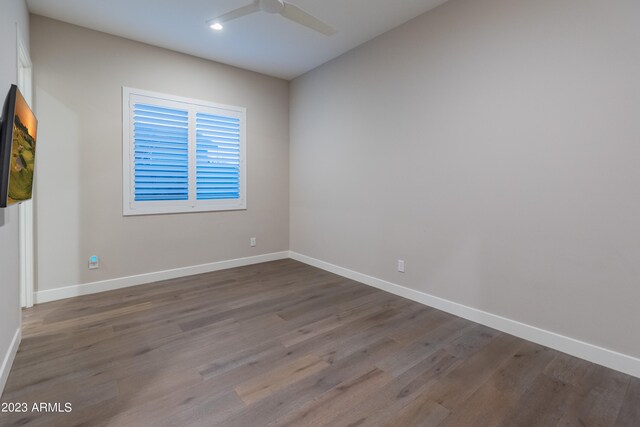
x=130, y=207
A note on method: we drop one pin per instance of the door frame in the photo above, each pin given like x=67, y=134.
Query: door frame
x=25, y=209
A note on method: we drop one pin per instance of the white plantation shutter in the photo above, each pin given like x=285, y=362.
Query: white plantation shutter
x=181, y=155
x=161, y=153
x=218, y=157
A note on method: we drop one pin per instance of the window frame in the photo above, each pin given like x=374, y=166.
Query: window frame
x=129, y=206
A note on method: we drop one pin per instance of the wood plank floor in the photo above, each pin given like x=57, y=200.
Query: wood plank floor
x=283, y=343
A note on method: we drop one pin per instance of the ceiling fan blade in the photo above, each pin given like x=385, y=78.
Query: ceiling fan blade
x=237, y=13
x=298, y=15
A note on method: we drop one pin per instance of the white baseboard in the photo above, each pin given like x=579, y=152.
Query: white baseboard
x=593, y=353
x=124, y=282
x=5, y=368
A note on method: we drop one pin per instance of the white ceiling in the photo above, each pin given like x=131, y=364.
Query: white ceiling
x=261, y=42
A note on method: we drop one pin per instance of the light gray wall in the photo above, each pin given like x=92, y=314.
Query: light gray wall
x=495, y=146
x=14, y=12
x=78, y=77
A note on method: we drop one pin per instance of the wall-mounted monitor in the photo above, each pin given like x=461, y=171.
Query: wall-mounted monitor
x=18, y=128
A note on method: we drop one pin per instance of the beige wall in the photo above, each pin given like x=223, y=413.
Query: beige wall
x=13, y=12
x=493, y=145
x=78, y=76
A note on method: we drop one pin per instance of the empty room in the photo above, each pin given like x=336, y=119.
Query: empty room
x=320, y=213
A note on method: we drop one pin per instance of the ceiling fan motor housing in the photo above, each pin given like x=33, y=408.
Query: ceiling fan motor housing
x=271, y=6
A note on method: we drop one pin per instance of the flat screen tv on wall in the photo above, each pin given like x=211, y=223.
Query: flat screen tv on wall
x=18, y=128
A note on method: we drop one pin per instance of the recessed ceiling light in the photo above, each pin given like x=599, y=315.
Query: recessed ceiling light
x=217, y=26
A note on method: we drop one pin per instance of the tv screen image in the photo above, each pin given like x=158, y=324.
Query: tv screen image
x=17, y=149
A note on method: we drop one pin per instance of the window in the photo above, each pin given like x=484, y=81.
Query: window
x=181, y=155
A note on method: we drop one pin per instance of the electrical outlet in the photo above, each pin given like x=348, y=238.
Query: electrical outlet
x=401, y=265
x=252, y=241
x=94, y=262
